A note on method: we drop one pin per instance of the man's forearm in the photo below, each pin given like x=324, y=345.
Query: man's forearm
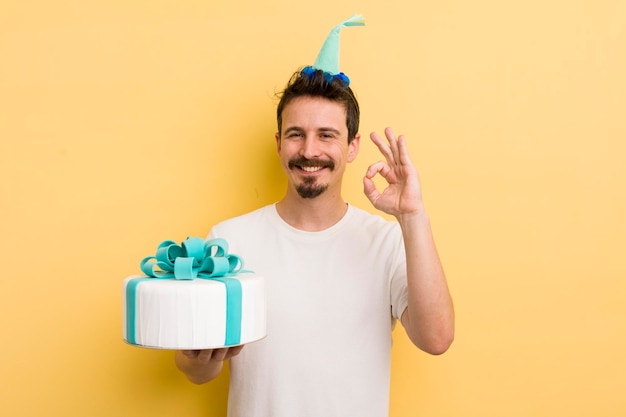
x=429, y=317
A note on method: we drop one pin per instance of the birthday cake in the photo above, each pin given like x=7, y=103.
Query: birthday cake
x=193, y=296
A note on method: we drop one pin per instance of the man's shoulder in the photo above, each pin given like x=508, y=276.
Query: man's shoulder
x=373, y=226
x=244, y=221
x=376, y=220
x=251, y=215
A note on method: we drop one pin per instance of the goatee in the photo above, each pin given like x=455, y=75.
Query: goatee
x=309, y=188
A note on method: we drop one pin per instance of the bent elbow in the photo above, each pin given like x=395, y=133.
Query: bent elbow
x=436, y=345
x=440, y=347
x=433, y=337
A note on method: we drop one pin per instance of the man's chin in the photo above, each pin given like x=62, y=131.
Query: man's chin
x=309, y=191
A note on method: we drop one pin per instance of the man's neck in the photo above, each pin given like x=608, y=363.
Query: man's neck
x=311, y=214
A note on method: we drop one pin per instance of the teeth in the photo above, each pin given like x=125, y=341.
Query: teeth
x=311, y=169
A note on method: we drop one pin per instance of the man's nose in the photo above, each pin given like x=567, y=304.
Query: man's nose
x=311, y=147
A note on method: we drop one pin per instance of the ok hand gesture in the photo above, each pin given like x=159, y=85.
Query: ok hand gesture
x=403, y=194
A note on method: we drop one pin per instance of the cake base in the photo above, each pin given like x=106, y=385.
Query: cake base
x=194, y=314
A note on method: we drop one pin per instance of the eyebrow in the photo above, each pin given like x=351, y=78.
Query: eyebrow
x=292, y=129
x=320, y=130
x=329, y=129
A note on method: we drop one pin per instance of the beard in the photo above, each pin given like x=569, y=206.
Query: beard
x=309, y=188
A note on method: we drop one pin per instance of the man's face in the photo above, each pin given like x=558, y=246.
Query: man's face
x=313, y=145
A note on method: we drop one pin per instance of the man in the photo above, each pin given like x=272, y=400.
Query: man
x=338, y=277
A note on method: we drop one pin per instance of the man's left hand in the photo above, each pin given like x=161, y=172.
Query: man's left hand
x=403, y=194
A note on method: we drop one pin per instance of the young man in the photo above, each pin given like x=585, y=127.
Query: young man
x=338, y=277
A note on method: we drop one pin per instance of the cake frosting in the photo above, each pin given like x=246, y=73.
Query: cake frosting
x=193, y=296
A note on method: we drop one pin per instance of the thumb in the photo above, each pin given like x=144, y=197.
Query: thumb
x=369, y=189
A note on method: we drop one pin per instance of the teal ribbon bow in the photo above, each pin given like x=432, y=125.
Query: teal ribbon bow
x=194, y=258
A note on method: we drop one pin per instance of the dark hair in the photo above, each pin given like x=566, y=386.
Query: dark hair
x=319, y=84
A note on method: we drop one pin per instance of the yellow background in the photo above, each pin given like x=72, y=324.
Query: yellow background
x=125, y=123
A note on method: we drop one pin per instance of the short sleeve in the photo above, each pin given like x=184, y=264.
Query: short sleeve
x=398, y=284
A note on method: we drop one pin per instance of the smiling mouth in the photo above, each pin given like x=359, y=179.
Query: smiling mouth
x=310, y=165
x=311, y=169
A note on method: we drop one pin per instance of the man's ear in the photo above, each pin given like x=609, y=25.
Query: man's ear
x=277, y=136
x=353, y=147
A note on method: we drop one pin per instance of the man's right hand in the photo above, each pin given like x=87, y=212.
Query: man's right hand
x=201, y=366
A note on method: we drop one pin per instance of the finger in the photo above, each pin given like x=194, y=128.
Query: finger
x=205, y=355
x=191, y=354
x=219, y=354
x=382, y=147
x=408, y=169
x=383, y=169
x=403, y=151
x=369, y=189
x=233, y=351
x=393, y=144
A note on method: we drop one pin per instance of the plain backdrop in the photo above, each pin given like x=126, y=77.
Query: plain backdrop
x=125, y=123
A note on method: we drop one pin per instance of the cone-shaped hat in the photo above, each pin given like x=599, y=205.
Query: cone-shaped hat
x=328, y=57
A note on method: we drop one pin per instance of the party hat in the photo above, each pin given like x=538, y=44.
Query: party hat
x=328, y=57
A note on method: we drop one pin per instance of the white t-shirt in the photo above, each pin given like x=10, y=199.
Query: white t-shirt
x=333, y=298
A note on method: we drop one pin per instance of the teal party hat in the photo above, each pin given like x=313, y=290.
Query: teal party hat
x=328, y=57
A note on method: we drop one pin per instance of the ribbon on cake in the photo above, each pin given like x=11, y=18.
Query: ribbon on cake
x=194, y=258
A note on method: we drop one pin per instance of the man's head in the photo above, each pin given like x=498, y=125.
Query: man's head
x=318, y=135
x=317, y=83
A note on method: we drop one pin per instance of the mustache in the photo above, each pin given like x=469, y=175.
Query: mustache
x=315, y=162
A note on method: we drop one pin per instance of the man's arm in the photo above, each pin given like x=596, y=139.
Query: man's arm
x=429, y=316
x=202, y=366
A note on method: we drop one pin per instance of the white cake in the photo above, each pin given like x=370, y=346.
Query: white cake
x=191, y=314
